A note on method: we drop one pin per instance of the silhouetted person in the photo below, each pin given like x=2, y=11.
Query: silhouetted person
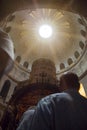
x=61, y=111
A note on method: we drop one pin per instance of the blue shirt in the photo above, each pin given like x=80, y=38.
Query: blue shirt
x=25, y=120
x=61, y=111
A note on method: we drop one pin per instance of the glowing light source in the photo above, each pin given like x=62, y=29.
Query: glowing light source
x=45, y=31
x=82, y=91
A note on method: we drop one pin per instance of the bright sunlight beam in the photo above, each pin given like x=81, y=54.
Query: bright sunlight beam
x=45, y=31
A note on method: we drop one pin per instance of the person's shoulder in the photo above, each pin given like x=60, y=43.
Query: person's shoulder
x=51, y=101
x=53, y=97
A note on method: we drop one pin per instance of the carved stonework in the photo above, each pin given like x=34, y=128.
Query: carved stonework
x=30, y=95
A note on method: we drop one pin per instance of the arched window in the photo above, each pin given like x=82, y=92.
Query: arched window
x=81, y=44
x=11, y=17
x=5, y=89
x=62, y=66
x=18, y=59
x=80, y=21
x=83, y=33
x=8, y=29
x=76, y=54
x=25, y=64
x=70, y=61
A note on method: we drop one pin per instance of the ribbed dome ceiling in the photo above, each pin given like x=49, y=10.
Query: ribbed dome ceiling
x=64, y=47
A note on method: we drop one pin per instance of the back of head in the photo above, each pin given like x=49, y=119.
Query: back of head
x=69, y=81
